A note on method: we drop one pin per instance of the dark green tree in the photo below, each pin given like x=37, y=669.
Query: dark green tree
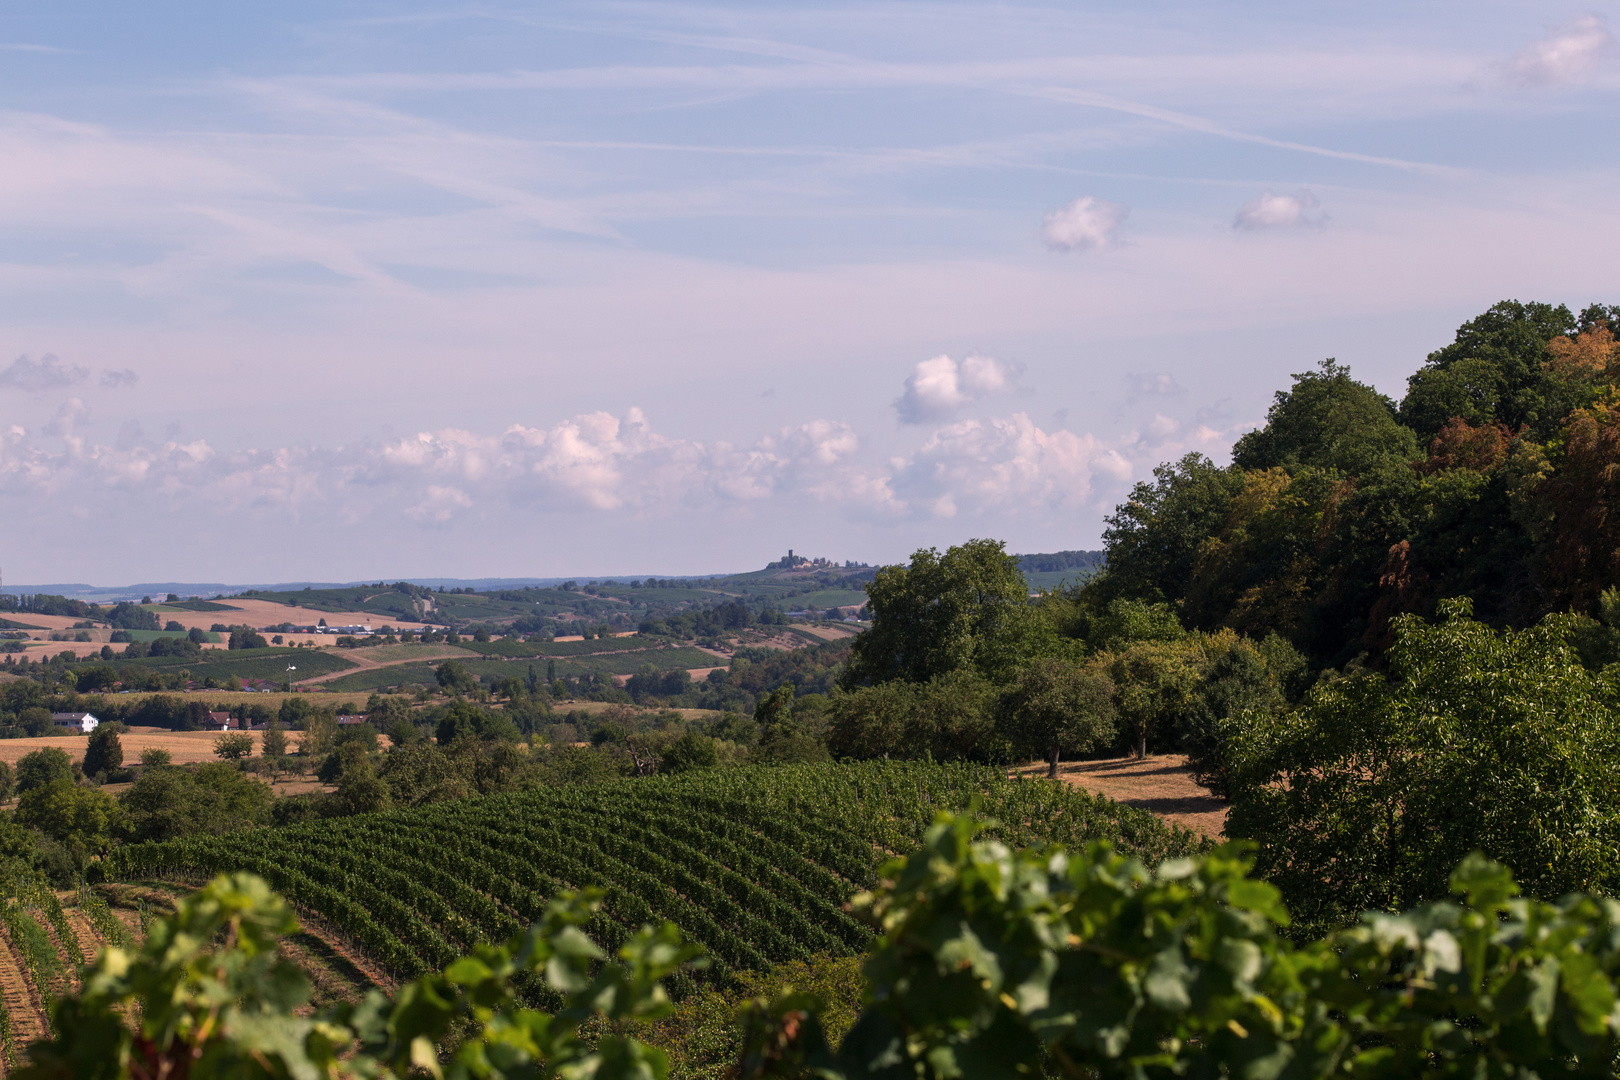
x=1153, y=538
x=103, y=753
x=967, y=608
x=1057, y=705
x=455, y=679
x=42, y=768
x=1327, y=420
x=1493, y=371
x=688, y=753
x=1471, y=740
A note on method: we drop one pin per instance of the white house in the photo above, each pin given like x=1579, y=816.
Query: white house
x=75, y=721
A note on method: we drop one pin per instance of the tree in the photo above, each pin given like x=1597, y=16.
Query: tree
x=215, y=798
x=7, y=782
x=35, y=720
x=155, y=757
x=968, y=608
x=1153, y=539
x=454, y=678
x=233, y=746
x=1057, y=705
x=1327, y=420
x=273, y=743
x=104, y=753
x=245, y=637
x=43, y=767
x=1239, y=687
x=1153, y=684
x=359, y=789
x=949, y=718
x=1470, y=740
x=84, y=820
x=688, y=753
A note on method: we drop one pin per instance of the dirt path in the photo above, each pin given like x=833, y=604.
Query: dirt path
x=24, y=1006
x=1160, y=783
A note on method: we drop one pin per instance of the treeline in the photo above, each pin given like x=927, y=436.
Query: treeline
x=1495, y=477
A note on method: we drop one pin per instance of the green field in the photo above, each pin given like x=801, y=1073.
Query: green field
x=152, y=635
x=826, y=598
x=268, y=664
x=513, y=649
x=12, y=624
x=754, y=864
x=422, y=673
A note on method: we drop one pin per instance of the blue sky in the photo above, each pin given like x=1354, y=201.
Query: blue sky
x=358, y=290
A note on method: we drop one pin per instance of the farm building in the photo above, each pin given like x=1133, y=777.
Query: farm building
x=75, y=721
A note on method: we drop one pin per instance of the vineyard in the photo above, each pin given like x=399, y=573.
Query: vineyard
x=48, y=936
x=754, y=864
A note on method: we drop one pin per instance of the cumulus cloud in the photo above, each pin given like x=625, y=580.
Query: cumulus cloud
x=1004, y=464
x=1086, y=224
x=1272, y=211
x=48, y=373
x=615, y=471
x=1562, y=58
x=116, y=380
x=937, y=388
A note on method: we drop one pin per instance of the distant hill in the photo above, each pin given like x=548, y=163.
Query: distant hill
x=1056, y=561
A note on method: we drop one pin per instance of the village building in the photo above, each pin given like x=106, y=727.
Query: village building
x=75, y=721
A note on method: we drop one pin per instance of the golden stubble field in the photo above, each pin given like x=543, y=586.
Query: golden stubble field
x=184, y=747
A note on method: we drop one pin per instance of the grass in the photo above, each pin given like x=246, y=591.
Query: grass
x=511, y=649
x=192, y=605
x=152, y=635
x=422, y=674
x=268, y=663
x=827, y=598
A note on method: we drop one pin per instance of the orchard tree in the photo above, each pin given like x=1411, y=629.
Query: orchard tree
x=1057, y=705
x=233, y=746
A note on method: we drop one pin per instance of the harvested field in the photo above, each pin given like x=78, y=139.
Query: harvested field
x=1161, y=784
x=825, y=633
x=184, y=747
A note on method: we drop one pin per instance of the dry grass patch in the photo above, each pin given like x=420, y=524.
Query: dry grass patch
x=1159, y=783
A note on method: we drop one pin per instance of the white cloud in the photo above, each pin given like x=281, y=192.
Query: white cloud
x=1272, y=211
x=938, y=387
x=1562, y=58
x=1086, y=224
x=615, y=470
x=1004, y=465
x=48, y=373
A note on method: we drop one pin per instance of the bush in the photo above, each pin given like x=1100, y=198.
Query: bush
x=233, y=746
x=1471, y=740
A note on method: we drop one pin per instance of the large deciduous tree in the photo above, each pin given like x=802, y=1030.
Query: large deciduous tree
x=1059, y=705
x=966, y=609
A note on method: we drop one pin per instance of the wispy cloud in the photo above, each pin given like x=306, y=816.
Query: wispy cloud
x=115, y=380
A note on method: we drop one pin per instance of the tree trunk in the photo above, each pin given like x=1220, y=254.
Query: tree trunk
x=1051, y=771
x=1141, y=742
